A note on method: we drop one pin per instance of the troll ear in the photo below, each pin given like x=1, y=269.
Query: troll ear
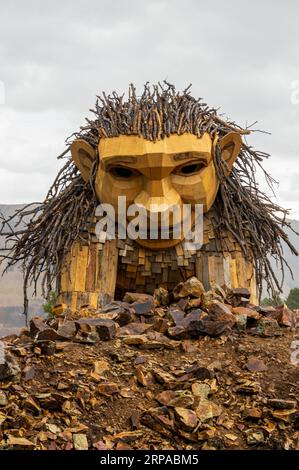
x=83, y=155
x=230, y=146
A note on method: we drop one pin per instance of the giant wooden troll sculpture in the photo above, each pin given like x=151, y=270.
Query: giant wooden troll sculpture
x=161, y=148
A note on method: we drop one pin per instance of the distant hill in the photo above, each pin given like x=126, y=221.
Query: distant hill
x=11, y=293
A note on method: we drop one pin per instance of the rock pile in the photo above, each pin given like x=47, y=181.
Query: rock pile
x=183, y=370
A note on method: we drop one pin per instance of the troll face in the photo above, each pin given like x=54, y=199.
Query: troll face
x=176, y=170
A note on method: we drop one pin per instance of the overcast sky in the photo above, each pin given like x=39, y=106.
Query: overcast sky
x=55, y=56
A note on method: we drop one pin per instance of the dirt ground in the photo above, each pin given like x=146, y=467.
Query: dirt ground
x=235, y=391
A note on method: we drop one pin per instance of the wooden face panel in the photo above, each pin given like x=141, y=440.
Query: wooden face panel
x=176, y=170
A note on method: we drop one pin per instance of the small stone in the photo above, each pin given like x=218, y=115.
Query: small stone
x=31, y=405
x=19, y=442
x=163, y=377
x=281, y=404
x=144, y=308
x=3, y=398
x=200, y=372
x=160, y=324
x=133, y=329
x=238, y=297
x=37, y=324
x=241, y=322
x=231, y=437
x=250, y=313
x=140, y=360
x=153, y=340
x=268, y=327
x=192, y=303
x=211, y=327
x=187, y=326
x=135, y=419
x=253, y=413
x=161, y=297
x=206, y=434
x=207, y=410
x=287, y=317
x=101, y=366
x=80, y=442
x=283, y=415
x=8, y=365
x=255, y=365
x=105, y=328
x=125, y=315
x=121, y=312
x=127, y=436
x=177, y=316
x=49, y=334
x=192, y=287
x=254, y=436
x=67, y=329
x=28, y=373
x=108, y=389
x=186, y=418
x=53, y=428
x=248, y=387
x=200, y=390
x=220, y=312
x=179, y=398
x=131, y=297
x=46, y=347
x=144, y=377
x=242, y=292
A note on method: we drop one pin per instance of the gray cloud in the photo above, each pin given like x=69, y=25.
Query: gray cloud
x=56, y=56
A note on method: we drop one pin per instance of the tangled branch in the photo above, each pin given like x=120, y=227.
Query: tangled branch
x=249, y=214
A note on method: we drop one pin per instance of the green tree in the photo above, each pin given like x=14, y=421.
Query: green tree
x=293, y=298
x=273, y=301
x=51, y=301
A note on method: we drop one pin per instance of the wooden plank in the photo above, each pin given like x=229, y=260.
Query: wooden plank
x=219, y=270
x=240, y=270
x=226, y=271
x=212, y=269
x=93, y=299
x=91, y=270
x=81, y=266
x=73, y=267
x=73, y=302
x=107, y=272
x=233, y=273
x=205, y=274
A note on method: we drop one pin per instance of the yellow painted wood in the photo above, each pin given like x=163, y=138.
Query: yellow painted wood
x=93, y=299
x=81, y=266
x=73, y=305
x=233, y=273
x=212, y=269
x=135, y=145
x=73, y=267
x=107, y=270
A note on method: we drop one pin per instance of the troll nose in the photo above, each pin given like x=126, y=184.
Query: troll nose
x=158, y=196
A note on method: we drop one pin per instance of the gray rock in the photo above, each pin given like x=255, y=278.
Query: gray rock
x=8, y=364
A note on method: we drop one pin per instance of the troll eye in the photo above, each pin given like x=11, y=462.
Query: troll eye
x=190, y=169
x=123, y=172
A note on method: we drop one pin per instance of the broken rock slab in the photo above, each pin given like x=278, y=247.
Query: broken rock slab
x=268, y=327
x=104, y=328
x=286, y=317
x=191, y=288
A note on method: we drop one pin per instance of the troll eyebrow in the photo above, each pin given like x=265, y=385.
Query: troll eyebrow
x=119, y=159
x=190, y=156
